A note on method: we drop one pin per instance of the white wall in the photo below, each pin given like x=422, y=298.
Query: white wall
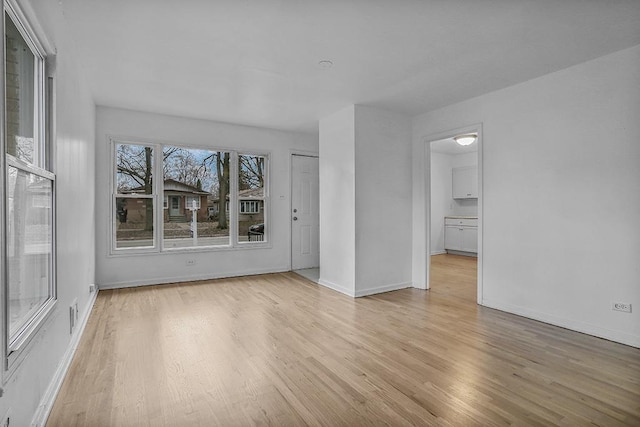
x=462, y=160
x=561, y=194
x=441, y=198
x=337, y=201
x=130, y=270
x=383, y=200
x=365, y=201
x=30, y=385
x=465, y=206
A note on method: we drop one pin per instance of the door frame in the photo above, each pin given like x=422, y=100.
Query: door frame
x=302, y=153
x=173, y=197
x=427, y=140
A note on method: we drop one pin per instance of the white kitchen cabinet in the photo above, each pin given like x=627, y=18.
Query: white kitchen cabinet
x=470, y=239
x=465, y=182
x=452, y=238
x=461, y=234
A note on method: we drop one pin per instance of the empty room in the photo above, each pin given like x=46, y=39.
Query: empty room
x=333, y=213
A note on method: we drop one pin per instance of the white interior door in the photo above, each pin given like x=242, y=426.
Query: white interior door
x=305, y=213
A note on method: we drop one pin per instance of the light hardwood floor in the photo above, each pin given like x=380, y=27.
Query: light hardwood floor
x=278, y=349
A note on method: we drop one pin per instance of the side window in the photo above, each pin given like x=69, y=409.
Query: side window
x=28, y=207
x=133, y=204
x=252, y=222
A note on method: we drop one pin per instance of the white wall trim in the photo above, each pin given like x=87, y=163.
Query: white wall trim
x=382, y=289
x=50, y=394
x=306, y=153
x=336, y=287
x=438, y=252
x=583, y=327
x=292, y=153
x=190, y=278
x=426, y=218
x=463, y=253
x=24, y=12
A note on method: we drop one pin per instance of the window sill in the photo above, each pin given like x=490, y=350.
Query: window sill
x=21, y=347
x=204, y=249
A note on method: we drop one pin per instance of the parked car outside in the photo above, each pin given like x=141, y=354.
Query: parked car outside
x=256, y=232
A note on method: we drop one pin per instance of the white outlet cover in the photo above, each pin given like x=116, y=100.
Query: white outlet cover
x=621, y=306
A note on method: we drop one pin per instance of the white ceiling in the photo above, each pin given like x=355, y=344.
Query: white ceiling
x=255, y=62
x=450, y=146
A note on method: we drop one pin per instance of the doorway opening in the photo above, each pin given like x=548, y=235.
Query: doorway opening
x=453, y=219
x=305, y=216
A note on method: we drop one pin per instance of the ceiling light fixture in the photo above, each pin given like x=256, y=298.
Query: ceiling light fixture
x=466, y=139
x=325, y=64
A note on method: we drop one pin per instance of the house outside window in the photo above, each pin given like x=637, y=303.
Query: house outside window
x=191, y=200
x=192, y=176
x=195, y=181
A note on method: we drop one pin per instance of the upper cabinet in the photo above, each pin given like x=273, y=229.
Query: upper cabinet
x=465, y=182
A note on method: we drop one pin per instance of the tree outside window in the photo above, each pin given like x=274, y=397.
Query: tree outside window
x=195, y=190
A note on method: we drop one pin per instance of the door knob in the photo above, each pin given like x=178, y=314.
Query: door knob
x=295, y=218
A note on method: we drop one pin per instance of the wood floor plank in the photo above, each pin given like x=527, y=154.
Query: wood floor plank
x=277, y=349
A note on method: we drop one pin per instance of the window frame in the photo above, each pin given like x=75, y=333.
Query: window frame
x=115, y=195
x=15, y=347
x=158, y=185
x=265, y=199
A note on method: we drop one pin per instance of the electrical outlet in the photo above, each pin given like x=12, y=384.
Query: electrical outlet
x=621, y=306
x=73, y=315
x=190, y=262
x=72, y=319
x=92, y=288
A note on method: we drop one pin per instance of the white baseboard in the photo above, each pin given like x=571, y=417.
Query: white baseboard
x=364, y=292
x=48, y=398
x=438, y=252
x=585, y=328
x=191, y=278
x=463, y=253
x=381, y=289
x=335, y=287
